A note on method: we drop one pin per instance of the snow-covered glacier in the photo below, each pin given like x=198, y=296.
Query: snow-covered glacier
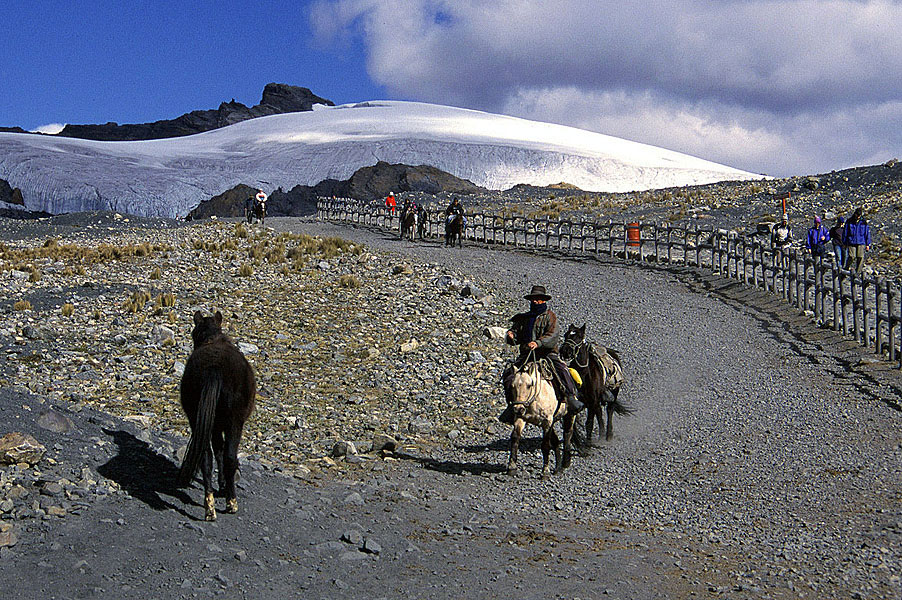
x=170, y=177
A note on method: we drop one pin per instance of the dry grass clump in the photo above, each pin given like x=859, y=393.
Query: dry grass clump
x=349, y=281
x=329, y=247
x=240, y=230
x=245, y=270
x=136, y=302
x=67, y=310
x=35, y=275
x=166, y=300
x=156, y=273
x=53, y=250
x=22, y=305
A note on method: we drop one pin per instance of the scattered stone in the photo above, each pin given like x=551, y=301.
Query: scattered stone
x=56, y=422
x=371, y=546
x=409, y=346
x=354, y=498
x=403, y=269
x=495, y=333
x=18, y=447
x=8, y=539
x=248, y=348
x=384, y=442
x=160, y=334
x=343, y=448
x=353, y=537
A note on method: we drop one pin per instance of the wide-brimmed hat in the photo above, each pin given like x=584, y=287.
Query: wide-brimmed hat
x=537, y=293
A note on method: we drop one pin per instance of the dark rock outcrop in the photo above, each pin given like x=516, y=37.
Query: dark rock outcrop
x=10, y=195
x=12, y=130
x=366, y=183
x=277, y=98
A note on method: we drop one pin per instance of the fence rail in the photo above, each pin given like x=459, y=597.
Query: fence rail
x=866, y=308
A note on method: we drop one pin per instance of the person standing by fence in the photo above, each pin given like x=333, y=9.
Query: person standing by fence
x=817, y=239
x=858, y=241
x=782, y=240
x=837, y=236
x=390, y=202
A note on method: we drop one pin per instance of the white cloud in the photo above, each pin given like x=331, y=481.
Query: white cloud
x=746, y=80
x=50, y=128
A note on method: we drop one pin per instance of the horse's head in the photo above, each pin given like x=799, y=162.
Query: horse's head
x=525, y=381
x=573, y=340
x=206, y=328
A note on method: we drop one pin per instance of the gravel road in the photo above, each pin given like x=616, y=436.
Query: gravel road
x=763, y=461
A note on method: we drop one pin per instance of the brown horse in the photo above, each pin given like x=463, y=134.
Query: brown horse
x=534, y=402
x=217, y=392
x=260, y=212
x=454, y=231
x=602, y=375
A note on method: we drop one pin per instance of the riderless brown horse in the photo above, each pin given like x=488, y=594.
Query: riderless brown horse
x=602, y=375
x=217, y=392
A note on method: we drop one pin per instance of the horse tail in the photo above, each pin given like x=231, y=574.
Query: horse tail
x=202, y=431
x=616, y=405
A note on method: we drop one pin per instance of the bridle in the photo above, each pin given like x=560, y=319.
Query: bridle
x=576, y=348
x=530, y=362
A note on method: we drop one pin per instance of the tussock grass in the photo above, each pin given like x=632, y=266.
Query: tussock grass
x=22, y=305
x=245, y=270
x=349, y=281
x=67, y=310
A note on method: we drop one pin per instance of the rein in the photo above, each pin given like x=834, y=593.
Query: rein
x=577, y=349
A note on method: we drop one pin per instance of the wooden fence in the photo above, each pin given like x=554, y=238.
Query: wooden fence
x=867, y=309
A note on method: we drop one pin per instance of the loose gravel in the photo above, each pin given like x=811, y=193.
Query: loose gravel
x=762, y=459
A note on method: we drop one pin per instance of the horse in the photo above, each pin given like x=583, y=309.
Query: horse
x=534, y=402
x=421, y=222
x=602, y=376
x=217, y=394
x=260, y=212
x=409, y=222
x=454, y=230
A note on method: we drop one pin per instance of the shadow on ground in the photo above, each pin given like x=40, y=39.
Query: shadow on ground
x=144, y=474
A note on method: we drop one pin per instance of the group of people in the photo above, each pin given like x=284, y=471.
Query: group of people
x=454, y=208
x=850, y=239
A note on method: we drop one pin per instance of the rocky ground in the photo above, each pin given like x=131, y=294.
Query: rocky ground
x=762, y=460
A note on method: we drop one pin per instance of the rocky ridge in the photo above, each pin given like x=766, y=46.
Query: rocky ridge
x=277, y=98
x=366, y=183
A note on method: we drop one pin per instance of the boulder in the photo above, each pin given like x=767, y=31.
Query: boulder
x=56, y=422
x=18, y=447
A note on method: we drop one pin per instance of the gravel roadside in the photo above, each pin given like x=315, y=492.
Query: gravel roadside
x=763, y=461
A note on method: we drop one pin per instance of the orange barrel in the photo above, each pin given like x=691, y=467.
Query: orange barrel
x=633, y=236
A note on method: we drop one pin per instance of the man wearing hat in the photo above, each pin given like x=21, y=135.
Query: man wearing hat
x=536, y=331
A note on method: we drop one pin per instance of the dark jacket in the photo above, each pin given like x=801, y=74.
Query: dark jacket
x=857, y=233
x=837, y=233
x=817, y=237
x=454, y=209
x=545, y=332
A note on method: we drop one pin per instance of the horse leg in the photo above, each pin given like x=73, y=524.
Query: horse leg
x=516, y=433
x=216, y=440
x=206, y=467
x=546, y=450
x=609, y=431
x=569, y=420
x=231, y=467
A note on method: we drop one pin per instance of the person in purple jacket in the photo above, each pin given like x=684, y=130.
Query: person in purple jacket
x=858, y=241
x=818, y=236
x=839, y=245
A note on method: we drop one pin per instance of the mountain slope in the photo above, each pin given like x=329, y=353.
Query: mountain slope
x=170, y=177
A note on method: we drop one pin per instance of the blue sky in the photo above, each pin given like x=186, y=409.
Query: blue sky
x=89, y=61
x=782, y=87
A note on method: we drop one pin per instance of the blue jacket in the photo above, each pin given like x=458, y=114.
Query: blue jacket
x=817, y=237
x=858, y=234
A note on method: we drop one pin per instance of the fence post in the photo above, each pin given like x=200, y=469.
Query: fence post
x=878, y=318
x=854, y=283
x=891, y=313
x=865, y=313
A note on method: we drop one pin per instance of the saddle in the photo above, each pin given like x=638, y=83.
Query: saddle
x=613, y=371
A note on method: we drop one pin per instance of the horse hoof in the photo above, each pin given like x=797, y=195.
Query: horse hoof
x=512, y=471
x=232, y=505
x=210, y=516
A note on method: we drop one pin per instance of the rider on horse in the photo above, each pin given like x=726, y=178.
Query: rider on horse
x=454, y=209
x=537, y=334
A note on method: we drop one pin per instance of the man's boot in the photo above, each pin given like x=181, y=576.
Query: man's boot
x=573, y=403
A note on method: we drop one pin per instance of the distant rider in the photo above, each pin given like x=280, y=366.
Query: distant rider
x=536, y=332
x=454, y=209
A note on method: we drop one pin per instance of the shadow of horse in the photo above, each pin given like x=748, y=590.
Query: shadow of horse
x=452, y=467
x=144, y=474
